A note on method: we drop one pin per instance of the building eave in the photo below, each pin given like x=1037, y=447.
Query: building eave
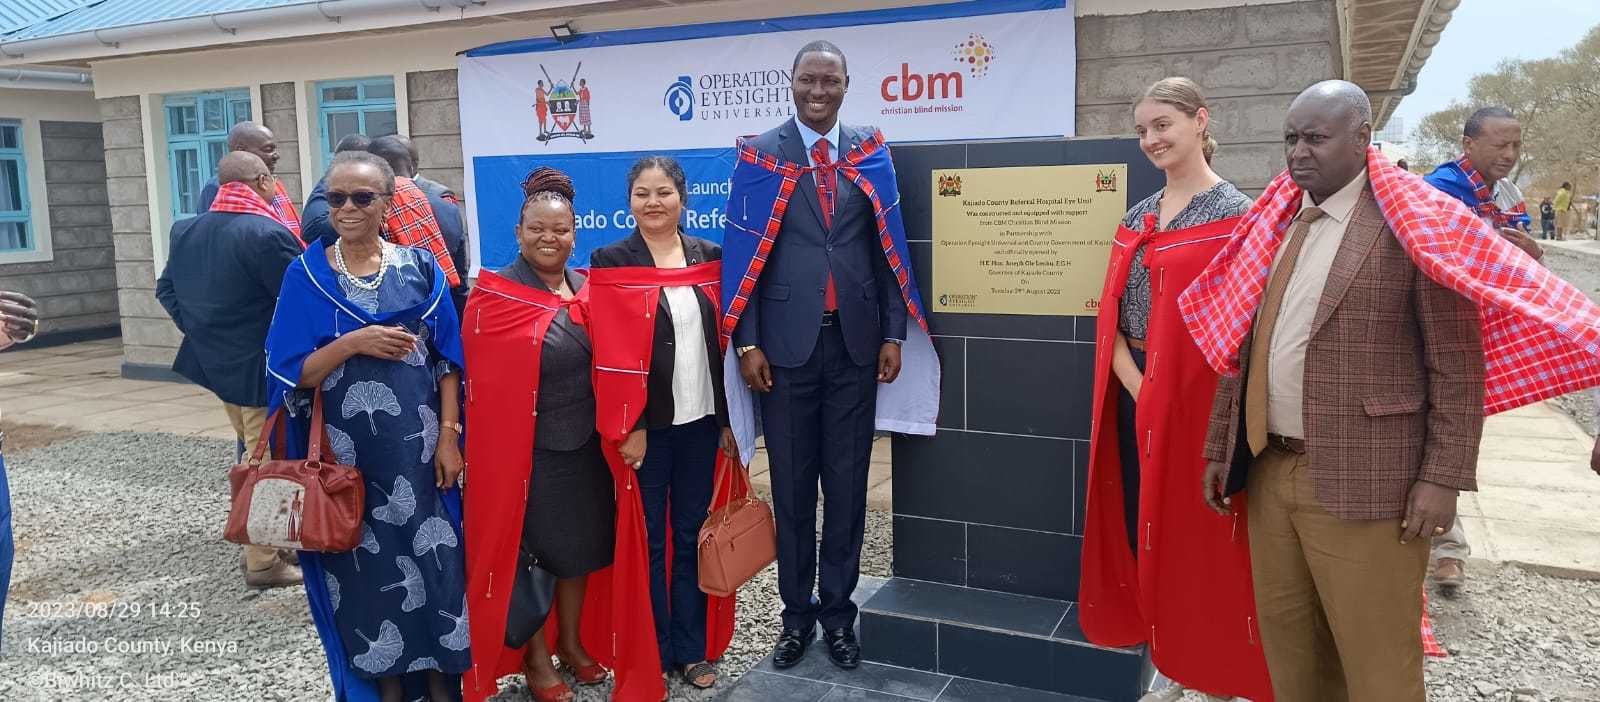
x=1385, y=44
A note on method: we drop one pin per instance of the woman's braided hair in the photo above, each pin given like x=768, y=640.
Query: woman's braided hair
x=546, y=184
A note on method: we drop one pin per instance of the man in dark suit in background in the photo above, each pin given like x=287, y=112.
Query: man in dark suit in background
x=396, y=150
x=220, y=287
x=823, y=328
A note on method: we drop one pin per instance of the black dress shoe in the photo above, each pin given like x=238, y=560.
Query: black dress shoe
x=843, y=648
x=791, y=646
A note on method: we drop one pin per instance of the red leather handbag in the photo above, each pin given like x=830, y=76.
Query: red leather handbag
x=308, y=504
x=738, y=540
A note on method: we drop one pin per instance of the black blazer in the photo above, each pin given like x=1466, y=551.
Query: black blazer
x=632, y=251
x=221, y=287
x=784, y=317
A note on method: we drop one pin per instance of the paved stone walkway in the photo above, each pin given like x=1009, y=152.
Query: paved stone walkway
x=1538, y=505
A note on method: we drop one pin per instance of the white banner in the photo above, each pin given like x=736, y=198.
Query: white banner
x=961, y=71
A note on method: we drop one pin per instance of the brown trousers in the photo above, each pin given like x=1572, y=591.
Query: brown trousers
x=247, y=422
x=1339, y=600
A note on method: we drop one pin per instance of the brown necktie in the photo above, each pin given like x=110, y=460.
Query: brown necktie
x=1255, y=384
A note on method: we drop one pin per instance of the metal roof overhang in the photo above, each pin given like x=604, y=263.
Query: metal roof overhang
x=1385, y=43
x=291, y=20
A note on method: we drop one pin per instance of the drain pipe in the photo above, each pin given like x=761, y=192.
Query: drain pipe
x=56, y=80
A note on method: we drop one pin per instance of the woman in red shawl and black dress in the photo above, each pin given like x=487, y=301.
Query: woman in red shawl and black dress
x=1158, y=568
x=539, y=503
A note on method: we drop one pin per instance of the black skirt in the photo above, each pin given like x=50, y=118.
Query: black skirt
x=570, y=526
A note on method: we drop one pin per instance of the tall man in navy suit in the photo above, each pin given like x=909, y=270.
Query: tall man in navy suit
x=823, y=328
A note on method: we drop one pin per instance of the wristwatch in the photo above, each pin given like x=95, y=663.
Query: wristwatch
x=896, y=342
x=742, y=350
x=451, y=425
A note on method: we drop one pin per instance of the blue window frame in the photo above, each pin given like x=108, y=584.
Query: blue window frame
x=357, y=106
x=197, y=138
x=16, y=232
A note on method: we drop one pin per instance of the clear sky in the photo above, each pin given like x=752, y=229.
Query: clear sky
x=1482, y=33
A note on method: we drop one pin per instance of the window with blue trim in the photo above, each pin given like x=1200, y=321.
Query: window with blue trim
x=15, y=231
x=359, y=106
x=197, y=138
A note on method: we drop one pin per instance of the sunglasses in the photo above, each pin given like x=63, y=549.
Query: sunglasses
x=362, y=200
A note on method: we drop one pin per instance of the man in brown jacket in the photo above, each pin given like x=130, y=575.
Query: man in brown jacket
x=1352, y=425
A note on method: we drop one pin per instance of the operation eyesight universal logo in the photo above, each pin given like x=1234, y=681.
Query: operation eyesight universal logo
x=753, y=94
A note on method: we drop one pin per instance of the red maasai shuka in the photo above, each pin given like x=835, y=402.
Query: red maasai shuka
x=502, y=331
x=1541, y=335
x=411, y=223
x=238, y=198
x=285, y=211
x=1189, y=593
x=619, y=312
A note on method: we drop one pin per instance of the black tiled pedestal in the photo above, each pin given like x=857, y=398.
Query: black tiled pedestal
x=988, y=522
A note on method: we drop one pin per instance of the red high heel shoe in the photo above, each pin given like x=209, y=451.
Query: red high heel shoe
x=558, y=692
x=592, y=674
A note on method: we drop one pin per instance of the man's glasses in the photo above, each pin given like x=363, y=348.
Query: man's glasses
x=362, y=200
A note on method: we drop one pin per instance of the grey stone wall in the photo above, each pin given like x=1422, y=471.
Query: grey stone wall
x=149, y=338
x=1250, y=60
x=436, y=125
x=76, y=289
x=278, y=114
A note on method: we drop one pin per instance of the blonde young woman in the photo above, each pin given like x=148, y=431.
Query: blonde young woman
x=1159, y=568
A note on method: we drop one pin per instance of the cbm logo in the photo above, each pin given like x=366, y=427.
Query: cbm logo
x=680, y=98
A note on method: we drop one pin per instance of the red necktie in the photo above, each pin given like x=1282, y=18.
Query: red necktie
x=825, y=178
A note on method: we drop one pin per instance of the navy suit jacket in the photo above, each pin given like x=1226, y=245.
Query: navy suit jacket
x=315, y=225
x=221, y=287
x=784, y=317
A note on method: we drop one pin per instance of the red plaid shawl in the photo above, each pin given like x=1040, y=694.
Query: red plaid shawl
x=411, y=223
x=238, y=198
x=1541, y=336
x=284, y=210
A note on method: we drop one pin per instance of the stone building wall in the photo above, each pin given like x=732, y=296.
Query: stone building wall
x=1250, y=60
x=77, y=288
x=149, y=338
x=436, y=125
x=278, y=115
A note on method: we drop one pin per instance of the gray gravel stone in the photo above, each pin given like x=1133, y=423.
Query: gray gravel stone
x=119, y=543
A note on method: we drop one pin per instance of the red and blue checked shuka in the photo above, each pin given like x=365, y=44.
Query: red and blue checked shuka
x=410, y=222
x=285, y=212
x=1541, y=335
x=761, y=188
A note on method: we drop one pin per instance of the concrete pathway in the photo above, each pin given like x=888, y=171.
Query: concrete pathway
x=80, y=386
x=1538, y=503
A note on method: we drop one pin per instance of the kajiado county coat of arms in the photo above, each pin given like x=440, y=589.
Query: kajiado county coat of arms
x=563, y=107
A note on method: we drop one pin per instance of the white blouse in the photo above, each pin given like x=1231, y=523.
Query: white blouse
x=692, y=394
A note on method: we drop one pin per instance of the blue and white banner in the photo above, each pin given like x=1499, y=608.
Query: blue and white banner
x=592, y=106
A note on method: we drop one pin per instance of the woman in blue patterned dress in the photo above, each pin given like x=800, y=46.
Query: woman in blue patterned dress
x=370, y=323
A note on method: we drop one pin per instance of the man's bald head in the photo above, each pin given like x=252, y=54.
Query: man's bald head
x=1326, y=135
x=248, y=168
x=256, y=139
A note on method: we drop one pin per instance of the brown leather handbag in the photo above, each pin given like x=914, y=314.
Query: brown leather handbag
x=307, y=504
x=738, y=540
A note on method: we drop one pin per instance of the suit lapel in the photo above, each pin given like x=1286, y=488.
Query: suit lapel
x=639, y=251
x=794, y=150
x=692, y=253
x=1366, y=225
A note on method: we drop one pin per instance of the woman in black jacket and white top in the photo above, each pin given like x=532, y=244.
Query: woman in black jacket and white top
x=685, y=416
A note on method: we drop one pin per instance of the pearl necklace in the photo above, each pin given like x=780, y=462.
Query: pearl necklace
x=384, y=256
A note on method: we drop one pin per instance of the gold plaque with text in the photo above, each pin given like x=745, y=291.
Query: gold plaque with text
x=1025, y=240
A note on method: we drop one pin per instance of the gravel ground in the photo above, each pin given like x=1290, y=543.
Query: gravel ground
x=118, y=546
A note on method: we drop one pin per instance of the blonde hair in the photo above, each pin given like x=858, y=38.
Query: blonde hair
x=1183, y=95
